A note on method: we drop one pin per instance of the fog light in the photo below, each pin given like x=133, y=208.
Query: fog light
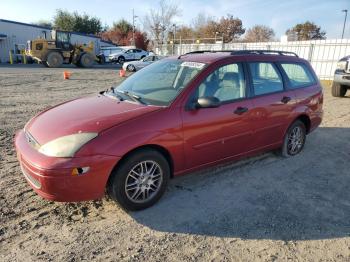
x=77, y=171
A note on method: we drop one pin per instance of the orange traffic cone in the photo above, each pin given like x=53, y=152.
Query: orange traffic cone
x=122, y=73
x=66, y=75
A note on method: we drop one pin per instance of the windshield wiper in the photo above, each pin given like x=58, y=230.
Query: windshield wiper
x=114, y=93
x=132, y=96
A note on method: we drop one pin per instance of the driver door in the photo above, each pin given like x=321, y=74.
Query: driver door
x=213, y=134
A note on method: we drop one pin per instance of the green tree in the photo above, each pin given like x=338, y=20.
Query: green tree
x=123, y=26
x=306, y=31
x=64, y=20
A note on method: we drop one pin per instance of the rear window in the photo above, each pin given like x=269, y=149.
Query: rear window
x=298, y=75
x=266, y=78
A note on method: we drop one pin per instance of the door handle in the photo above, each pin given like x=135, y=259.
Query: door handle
x=285, y=99
x=240, y=110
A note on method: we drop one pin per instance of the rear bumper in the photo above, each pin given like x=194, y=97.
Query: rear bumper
x=52, y=178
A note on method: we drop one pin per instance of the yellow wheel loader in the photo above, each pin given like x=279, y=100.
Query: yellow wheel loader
x=59, y=50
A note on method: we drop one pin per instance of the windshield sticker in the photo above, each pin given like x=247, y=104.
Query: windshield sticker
x=193, y=65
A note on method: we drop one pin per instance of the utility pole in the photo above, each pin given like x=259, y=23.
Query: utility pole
x=133, y=26
x=174, y=37
x=346, y=14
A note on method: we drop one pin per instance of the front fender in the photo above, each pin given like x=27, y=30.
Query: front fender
x=161, y=128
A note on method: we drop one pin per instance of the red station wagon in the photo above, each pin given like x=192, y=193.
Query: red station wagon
x=173, y=117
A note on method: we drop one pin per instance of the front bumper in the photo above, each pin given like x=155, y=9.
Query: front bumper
x=342, y=78
x=52, y=177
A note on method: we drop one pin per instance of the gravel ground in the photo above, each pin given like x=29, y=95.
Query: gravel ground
x=264, y=208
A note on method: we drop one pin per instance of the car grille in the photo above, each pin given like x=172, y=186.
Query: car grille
x=36, y=183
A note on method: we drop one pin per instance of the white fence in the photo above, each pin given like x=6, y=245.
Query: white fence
x=322, y=54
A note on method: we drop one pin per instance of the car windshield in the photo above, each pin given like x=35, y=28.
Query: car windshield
x=160, y=82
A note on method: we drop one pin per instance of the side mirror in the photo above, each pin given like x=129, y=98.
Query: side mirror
x=208, y=102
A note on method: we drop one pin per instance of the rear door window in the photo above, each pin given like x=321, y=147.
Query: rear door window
x=298, y=75
x=265, y=77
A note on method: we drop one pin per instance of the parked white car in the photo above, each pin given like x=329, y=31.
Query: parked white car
x=137, y=65
x=128, y=55
x=105, y=52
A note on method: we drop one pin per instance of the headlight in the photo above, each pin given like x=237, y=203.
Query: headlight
x=66, y=146
x=341, y=65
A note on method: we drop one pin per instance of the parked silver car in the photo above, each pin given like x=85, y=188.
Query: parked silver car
x=128, y=55
x=137, y=65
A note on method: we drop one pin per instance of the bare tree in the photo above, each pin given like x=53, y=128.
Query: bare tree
x=259, y=33
x=159, y=22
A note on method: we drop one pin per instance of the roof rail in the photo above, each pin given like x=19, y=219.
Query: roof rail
x=244, y=52
x=263, y=52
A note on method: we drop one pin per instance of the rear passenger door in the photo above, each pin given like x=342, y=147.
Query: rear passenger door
x=273, y=104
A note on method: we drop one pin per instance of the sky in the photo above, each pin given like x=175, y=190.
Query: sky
x=277, y=14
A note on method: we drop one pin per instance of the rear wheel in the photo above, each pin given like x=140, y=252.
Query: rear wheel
x=86, y=60
x=54, y=59
x=140, y=180
x=294, y=139
x=338, y=90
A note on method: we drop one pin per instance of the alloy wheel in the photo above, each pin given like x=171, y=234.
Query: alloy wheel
x=143, y=181
x=295, y=140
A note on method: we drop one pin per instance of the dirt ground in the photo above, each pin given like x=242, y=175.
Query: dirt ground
x=261, y=209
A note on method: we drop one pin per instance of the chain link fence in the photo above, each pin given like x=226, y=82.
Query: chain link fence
x=322, y=54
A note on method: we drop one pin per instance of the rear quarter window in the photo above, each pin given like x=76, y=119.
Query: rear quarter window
x=298, y=75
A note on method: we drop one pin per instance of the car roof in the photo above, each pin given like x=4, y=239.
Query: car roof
x=212, y=56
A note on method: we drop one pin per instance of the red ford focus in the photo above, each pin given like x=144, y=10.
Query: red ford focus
x=173, y=117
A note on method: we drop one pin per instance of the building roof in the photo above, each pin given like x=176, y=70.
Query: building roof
x=46, y=28
x=25, y=24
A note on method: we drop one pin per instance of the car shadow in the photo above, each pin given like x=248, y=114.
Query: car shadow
x=265, y=197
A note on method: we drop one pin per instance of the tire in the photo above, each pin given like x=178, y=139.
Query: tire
x=142, y=57
x=131, y=68
x=338, y=90
x=102, y=59
x=121, y=60
x=54, y=59
x=86, y=60
x=288, y=142
x=126, y=187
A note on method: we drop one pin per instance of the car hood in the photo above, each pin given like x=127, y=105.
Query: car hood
x=88, y=114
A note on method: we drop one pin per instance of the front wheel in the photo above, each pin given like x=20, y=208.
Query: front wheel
x=86, y=60
x=338, y=90
x=140, y=180
x=294, y=139
x=131, y=68
x=121, y=60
